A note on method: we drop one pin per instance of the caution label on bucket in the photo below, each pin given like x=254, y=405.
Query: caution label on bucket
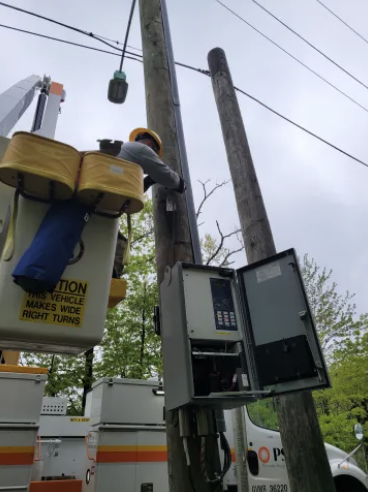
x=65, y=306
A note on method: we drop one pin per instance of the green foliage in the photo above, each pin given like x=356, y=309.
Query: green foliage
x=334, y=314
x=262, y=413
x=344, y=339
x=65, y=378
x=130, y=348
x=214, y=251
x=346, y=403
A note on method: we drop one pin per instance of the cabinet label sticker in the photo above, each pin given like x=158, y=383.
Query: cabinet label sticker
x=267, y=272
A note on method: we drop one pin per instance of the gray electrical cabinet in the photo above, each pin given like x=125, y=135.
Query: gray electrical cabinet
x=232, y=336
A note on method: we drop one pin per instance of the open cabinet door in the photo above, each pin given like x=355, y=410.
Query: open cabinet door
x=280, y=327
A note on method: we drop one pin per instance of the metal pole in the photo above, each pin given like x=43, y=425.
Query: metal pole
x=196, y=244
x=351, y=454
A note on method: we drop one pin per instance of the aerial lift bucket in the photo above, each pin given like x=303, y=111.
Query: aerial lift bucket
x=71, y=318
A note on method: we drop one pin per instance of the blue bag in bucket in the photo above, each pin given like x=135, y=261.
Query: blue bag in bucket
x=42, y=265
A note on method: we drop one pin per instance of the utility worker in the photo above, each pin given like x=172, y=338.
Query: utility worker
x=145, y=149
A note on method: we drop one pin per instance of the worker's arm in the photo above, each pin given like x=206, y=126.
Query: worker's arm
x=147, y=183
x=152, y=165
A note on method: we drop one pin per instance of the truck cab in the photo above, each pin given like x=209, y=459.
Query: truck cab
x=266, y=465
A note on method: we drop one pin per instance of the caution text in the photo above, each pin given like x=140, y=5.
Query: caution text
x=65, y=306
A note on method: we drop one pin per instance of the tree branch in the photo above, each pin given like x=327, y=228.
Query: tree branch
x=224, y=261
x=142, y=236
x=221, y=243
x=230, y=253
x=207, y=194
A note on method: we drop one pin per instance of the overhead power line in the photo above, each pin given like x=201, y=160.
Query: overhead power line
x=341, y=20
x=203, y=72
x=118, y=43
x=293, y=57
x=60, y=40
x=67, y=26
x=65, y=41
x=302, y=127
x=310, y=44
x=97, y=37
x=42, y=17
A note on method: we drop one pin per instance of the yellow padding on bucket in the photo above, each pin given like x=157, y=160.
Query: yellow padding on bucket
x=11, y=358
x=40, y=160
x=118, y=288
x=117, y=179
x=23, y=369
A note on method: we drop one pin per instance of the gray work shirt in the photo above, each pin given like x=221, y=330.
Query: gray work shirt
x=151, y=164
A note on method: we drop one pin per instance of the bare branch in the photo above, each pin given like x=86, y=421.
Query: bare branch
x=232, y=233
x=207, y=194
x=225, y=260
x=219, y=246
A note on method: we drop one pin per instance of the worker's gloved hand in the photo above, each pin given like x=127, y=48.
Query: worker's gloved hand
x=182, y=186
x=147, y=183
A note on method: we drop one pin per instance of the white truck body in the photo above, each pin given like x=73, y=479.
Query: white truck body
x=140, y=450
x=272, y=476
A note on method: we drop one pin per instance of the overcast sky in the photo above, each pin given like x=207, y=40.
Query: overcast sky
x=316, y=198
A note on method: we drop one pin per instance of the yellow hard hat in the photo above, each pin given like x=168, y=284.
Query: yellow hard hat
x=134, y=134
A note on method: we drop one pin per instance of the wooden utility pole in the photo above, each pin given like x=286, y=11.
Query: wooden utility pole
x=172, y=233
x=305, y=454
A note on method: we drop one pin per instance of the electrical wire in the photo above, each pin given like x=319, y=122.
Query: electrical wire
x=79, y=45
x=42, y=17
x=227, y=460
x=117, y=42
x=97, y=37
x=48, y=19
x=203, y=72
x=127, y=34
x=302, y=127
x=292, y=56
x=341, y=20
x=227, y=454
x=310, y=44
x=60, y=40
x=199, y=70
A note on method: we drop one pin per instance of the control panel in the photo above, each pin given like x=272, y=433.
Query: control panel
x=223, y=304
x=211, y=306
